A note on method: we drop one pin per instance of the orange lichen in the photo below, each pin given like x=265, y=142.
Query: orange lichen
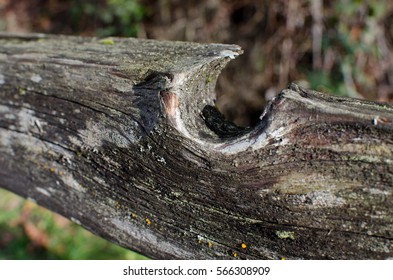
x=147, y=221
x=244, y=246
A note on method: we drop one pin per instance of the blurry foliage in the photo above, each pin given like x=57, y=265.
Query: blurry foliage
x=89, y=17
x=351, y=35
x=110, y=18
x=28, y=231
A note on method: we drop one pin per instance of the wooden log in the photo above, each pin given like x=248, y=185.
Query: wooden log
x=120, y=136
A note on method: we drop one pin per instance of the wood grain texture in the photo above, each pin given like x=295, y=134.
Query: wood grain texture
x=112, y=137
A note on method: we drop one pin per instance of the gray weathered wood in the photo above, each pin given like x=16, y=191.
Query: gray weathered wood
x=110, y=134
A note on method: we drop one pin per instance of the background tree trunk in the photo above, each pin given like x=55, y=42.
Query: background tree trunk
x=118, y=136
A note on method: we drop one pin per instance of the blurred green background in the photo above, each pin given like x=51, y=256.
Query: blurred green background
x=341, y=47
x=28, y=231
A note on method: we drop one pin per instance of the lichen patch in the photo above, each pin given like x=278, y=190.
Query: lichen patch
x=96, y=133
x=70, y=181
x=2, y=79
x=146, y=236
x=28, y=122
x=36, y=78
x=43, y=191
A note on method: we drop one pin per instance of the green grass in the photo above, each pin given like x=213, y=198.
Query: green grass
x=28, y=231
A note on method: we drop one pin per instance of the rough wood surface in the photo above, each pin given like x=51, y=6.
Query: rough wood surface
x=111, y=134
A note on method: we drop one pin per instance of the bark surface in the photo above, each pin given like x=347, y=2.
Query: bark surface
x=120, y=136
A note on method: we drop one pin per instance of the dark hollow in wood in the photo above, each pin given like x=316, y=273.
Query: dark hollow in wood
x=113, y=137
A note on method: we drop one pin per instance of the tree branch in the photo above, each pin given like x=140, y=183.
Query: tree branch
x=111, y=135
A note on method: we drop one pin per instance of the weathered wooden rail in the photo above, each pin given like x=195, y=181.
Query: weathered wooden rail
x=115, y=135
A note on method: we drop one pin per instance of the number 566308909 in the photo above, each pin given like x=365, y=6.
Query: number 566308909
x=236, y=270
